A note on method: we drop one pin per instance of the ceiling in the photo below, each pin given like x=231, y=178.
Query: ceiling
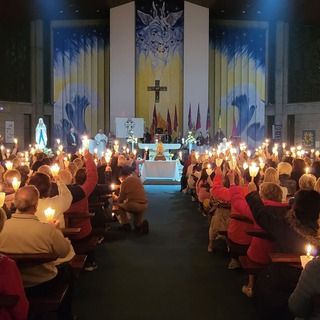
x=299, y=11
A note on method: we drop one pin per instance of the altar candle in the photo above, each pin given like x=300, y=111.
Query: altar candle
x=49, y=213
x=15, y=183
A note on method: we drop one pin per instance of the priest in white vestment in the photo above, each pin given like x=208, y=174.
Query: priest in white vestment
x=101, y=141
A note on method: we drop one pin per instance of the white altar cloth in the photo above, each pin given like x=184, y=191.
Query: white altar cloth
x=160, y=170
x=153, y=146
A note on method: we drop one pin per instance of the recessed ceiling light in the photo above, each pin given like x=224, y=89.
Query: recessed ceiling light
x=259, y=12
x=222, y=11
x=77, y=11
x=98, y=10
x=61, y=11
x=243, y=11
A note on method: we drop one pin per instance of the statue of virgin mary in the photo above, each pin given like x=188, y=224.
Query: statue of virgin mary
x=41, y=134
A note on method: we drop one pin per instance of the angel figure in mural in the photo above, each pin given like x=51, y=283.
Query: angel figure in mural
x=41, y=134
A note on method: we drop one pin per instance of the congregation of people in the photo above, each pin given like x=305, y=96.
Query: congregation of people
x=236, y=192
x=86, y=191
x=277, y=198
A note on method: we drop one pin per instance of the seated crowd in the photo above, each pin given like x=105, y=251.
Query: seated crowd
x=81, y=195
x=259, y=206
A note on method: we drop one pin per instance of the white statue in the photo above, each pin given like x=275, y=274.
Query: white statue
x=41, y=134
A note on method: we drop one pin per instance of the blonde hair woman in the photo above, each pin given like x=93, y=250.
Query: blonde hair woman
x=271, y=175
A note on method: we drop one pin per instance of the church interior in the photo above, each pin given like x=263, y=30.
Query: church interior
x=159, y=159
x=289, y=92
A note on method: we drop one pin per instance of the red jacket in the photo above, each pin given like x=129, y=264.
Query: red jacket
x=236, y=229
x=259, y=248
x=11, y=283
x=82, y=206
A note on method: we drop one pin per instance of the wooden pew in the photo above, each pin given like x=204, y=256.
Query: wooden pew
x=81, y=246
x=48, y=301
x=292, y=259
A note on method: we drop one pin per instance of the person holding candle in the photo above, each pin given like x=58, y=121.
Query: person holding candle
x=292, y=233
x=61, y=202
x=284, y=171
x=8, y=178
x=87, y=179
x=11, y=284
x=24, y=233
x=304, y=302
x=132, y=199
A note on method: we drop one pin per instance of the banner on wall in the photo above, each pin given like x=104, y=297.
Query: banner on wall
x=238, y=52
x=309, y=138
x=78, y=55
x=159, y=61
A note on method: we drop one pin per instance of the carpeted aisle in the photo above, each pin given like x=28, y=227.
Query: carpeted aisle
x=165, y=275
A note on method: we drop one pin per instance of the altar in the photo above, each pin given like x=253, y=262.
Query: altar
x=166, y=146
x=160, y=170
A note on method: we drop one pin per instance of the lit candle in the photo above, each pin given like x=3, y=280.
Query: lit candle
x=218, y=162
x=146, y=148
x=2, y=197
x=15, y=184
x=85, y=142
x=49, y=213
x=15, y=140
x=306, y=258
x=128, y=150
x=134, y=151
x=245, y=166
x=284, y=145
x=58, y=141
x=180, y=154
x=95, y=150
x=112, y=186
x=55, y=169
x=182, y=140
x=60, y=148
x=307, y=170
x=317, y=153
x=9, y=165
x=253, y=171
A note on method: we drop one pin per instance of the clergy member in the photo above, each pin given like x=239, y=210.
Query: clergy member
x=101, y=142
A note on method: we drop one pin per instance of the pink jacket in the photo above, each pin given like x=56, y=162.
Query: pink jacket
x=236, y=229
x=82, y=206
x=260, y=248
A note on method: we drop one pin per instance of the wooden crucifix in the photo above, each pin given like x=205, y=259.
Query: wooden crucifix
x=156, y=88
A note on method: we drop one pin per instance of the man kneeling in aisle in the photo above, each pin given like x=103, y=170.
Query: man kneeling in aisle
x=133, y=200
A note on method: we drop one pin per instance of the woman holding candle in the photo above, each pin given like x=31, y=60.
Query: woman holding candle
x=292, y=233
x=304, y=302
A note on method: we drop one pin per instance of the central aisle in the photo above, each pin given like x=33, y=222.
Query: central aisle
x=165, y=275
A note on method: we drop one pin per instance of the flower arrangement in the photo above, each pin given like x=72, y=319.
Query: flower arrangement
x=47, y=151
x=191, y=138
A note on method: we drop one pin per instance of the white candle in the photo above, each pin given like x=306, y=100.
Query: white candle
x=9, y=165
x=306, y=258
x=49, y=213
x=58, y=141
x=55, y=170
x=2, y=197
x=15, y=140
x=15, y=183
